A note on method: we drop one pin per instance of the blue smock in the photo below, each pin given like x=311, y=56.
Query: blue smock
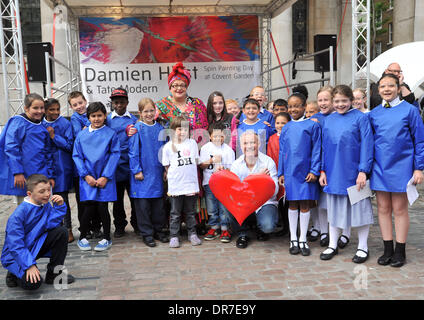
x=25, y=148
x=398, y=146
x=119, y=124
x=62, y=145
x=144, y=148
x=26, y=231
x=78, y=122
x=96, y=153
x=348, y=148
x=263, y=115
x=300, y=154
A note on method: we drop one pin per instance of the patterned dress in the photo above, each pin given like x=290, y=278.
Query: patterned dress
x=196, y=112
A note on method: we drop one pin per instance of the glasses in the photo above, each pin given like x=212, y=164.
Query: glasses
x=394, y=71
x=178, y=86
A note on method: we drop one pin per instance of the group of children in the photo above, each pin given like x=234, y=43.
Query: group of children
x=320, y=149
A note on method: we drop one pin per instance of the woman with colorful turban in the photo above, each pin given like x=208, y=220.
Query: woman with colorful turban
x=179, y=103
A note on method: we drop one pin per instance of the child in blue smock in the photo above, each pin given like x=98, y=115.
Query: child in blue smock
x=96, y=156
x=251, y=110
x=79, y=122
x=347, y=156
x=258, y=94
x=298, y=168
x=147, y=175
x=398, y=158
x=25, y=149
x=34, y=231
x=119, y=119
x=320, y=220
x=60, y=132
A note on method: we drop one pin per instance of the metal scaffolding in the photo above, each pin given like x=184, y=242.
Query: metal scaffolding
x=12, y=57
x=361, y=43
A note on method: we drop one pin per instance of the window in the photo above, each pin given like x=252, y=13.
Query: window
x=30, y=21
x=391, y=4
x=378, y=48
x=379, y=20
x=390, y=32
x=299, y=20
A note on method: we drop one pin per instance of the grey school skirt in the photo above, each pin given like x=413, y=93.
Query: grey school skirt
x=322, y=202
x=342, y=214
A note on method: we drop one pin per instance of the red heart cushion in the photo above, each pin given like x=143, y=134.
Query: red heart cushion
x=241, y=198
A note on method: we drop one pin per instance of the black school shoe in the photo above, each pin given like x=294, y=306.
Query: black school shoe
x=149, y=241
x=11, y=280
x=358, y=259
x=397, y=261
x=340, y=243
x=304, y=248
x=50, y=277
x=242, y=242
x=329, y=256
x=162, y=237
x=294, y=247
x=324, y=242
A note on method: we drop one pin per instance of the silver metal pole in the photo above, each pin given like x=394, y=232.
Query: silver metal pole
x=331, y=67
x=3, y=64
x=353, y=43
x=21, y=50
x=49, y=80
x=368, y=51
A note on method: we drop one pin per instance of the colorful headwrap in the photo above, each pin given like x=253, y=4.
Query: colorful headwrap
x=179, y=72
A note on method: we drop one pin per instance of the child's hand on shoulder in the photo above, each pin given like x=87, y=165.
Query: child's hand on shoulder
x=130, y=130
x=101, y=182
x=267, y=123
x=57, y=199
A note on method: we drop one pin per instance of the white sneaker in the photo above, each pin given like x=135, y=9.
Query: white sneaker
x=103, y=245
x=84, y=245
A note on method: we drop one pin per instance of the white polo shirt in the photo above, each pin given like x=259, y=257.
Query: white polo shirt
x=240, y=168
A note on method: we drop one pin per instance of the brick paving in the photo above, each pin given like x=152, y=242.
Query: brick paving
x=216, y=271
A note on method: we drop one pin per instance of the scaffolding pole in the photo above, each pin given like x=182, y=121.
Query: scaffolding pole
x=265, y=47
x=12, y=57
x=361, y=43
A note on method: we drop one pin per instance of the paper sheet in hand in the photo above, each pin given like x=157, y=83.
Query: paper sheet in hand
x=411, y=192
x=356, y=196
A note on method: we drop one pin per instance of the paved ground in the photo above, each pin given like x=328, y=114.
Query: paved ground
x=217, y=271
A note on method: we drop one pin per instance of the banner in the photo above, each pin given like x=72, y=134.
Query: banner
x=222, y=54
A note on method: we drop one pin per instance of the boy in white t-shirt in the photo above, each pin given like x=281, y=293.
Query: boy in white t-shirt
x=180, y=157
x=215, y=156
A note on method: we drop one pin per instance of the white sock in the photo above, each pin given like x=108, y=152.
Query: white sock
x=346, y=233
x=315, y=219
x=323, y=221
x=334, y=236
x=363, y=240
x=304, y=222
x=293, y=215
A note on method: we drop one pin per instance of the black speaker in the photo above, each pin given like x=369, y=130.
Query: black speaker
x=37, y=61
x=322, y=61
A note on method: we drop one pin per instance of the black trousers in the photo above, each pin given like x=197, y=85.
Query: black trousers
x=57, y=243
x=119, y=215
x=95, y=224
x=92, y=208
x=151, y=217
